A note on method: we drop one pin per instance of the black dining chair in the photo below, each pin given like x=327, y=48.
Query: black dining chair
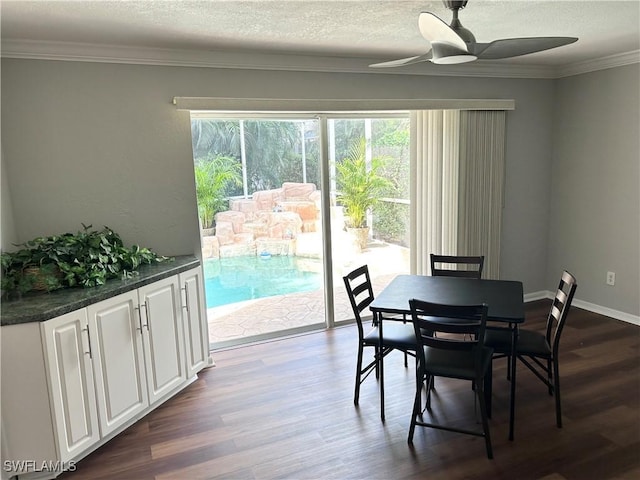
x=457, y=266
x=538, y=351
x=397, y=335
x=460, y=356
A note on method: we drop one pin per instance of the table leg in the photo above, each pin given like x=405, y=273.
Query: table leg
x=381, y=367
x=513, y=359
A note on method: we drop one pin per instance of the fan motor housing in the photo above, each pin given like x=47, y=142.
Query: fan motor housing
x=455, y=4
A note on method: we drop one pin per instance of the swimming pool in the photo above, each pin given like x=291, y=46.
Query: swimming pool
x=236, y=279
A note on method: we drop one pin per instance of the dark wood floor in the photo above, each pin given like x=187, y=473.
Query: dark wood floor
x=285, y=409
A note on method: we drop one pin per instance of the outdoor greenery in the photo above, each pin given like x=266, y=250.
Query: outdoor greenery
x=87, y=258
x=391, y=218
x=215, y=176
x=391, y=223
x=274, y=153
x=272, y=149
x=347, y=131
x=360, y=185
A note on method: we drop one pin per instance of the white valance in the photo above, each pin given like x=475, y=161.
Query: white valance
x=337, y=105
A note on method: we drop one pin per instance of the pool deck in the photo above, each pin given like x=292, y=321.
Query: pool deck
x=251, y=318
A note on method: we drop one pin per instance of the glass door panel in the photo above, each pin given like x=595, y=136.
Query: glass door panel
x=369, y=165
x=257, y=182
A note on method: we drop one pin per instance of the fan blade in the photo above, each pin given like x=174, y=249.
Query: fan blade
x=514, y=47
x=434, y=29
x=403, y=61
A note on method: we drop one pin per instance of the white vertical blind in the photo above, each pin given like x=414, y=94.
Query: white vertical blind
x=482, y=139
x=457, y=186
x=434, y=157
x=450, y=170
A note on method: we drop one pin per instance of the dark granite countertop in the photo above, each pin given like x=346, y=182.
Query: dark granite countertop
x=38, y=307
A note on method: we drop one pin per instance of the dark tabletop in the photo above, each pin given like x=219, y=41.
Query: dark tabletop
x=503, y=297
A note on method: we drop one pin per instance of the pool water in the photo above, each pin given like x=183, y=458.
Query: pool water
x=236, y=279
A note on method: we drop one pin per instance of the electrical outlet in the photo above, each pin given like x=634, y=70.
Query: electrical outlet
x=611, y=278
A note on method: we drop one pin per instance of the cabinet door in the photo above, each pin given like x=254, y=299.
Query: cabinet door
x=119, y=369
x=162, y=337
x=194, y=316
x=68, y=351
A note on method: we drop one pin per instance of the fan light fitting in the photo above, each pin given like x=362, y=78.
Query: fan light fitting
x=444, y=53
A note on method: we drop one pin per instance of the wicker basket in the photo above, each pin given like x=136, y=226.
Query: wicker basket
x=39, y=276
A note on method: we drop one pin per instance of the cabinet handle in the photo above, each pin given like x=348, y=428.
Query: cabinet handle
x=137, y=308
x=146, y=312
x=186, y=298
x=86, y=329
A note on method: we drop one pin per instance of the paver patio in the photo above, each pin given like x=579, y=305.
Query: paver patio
x=262, y=316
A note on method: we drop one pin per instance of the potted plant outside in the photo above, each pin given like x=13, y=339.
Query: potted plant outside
x=360, y=186
x=214, y=176
x=87, y=258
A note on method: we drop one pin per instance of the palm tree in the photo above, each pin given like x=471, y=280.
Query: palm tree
x=215, y=174
x=212, y=136
x=359, y=185
x=272, y=146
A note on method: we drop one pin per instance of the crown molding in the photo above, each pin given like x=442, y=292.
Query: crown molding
x=603, y=63
x=101, y=53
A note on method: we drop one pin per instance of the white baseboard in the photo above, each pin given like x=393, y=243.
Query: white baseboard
x=609, y=312
x=591, y=307
x=532, y=297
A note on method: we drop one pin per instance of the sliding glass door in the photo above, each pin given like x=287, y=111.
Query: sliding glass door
x=263, y=184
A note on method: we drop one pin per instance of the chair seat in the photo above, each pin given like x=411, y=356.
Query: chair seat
x=453, y=347
x=397, y=335
x=537, y=351
x=454, y=363
x=529, y=342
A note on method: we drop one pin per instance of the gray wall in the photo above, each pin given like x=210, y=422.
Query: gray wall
x=594, y=223
x=102, y=144
x=7, y=233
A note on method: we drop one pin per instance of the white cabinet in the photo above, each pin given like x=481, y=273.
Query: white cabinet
x=194, y=315
x=68, y=355
x=162, y=335
x=71, y=383
x=139, y=350
x=121, y=387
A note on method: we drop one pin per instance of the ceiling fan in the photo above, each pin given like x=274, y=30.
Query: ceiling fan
x=451, y=44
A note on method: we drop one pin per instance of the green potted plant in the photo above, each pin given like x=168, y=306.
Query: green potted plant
x=87, y=258
x=214, y=175
x=360, y=186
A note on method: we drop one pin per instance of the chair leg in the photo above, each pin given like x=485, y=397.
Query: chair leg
x=430, y=382
x=488, y=389
x=406, y=360
x=556, y=388
x=356, y=396
x=378, y=352
x=485, y=422
x=417, y=401
x=550, y=375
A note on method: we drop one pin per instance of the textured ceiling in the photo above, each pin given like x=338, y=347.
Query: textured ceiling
x=382, y=30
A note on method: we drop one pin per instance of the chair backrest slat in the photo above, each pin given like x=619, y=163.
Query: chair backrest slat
x=429, y=319
x=464, y=266
x=555, y=313
x=360, y=293
x=560, y=309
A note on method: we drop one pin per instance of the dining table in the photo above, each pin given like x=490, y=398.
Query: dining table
x=504, y=299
